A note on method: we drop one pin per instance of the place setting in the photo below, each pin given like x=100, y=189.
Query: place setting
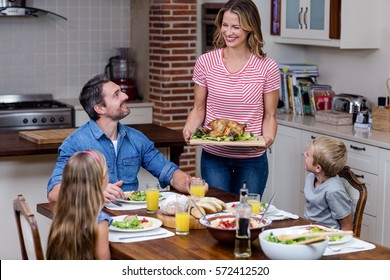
x=259, y=207
x=133, y=228
x=134, y=200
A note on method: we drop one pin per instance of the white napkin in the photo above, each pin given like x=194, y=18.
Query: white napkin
x=277, y=214
x=354, y=245
x=133, y=206
x=113, y=236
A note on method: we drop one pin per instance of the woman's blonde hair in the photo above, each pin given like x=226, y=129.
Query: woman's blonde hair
x=250, y=22
x=330, y=153
x=73, y=231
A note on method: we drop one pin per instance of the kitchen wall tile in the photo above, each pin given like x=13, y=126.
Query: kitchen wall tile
x=56, y=56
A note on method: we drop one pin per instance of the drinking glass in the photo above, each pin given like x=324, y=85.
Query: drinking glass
x=182, y=218
x=254, y=201
x=152, y=197
x=197, y=187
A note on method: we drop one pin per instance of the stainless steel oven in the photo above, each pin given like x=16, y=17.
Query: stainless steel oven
x=34, y=111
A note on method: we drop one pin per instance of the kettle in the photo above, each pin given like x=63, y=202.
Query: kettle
x=121, y=70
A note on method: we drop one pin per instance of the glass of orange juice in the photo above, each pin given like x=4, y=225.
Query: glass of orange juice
x=254, y=201
x=197, y=187
x=152, y=197
x=182, y=218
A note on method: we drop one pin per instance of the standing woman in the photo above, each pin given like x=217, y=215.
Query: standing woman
x=80, y=230
x=236, y=81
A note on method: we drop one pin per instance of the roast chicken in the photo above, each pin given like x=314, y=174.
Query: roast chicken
x=225, y=127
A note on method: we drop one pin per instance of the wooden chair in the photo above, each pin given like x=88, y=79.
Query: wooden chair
x=29, y=238
x=358, y=193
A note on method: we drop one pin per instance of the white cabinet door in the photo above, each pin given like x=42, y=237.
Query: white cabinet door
x=383, y=224
x=306, y=22
x=138, y=115
x=307, y=19
x=285, y=169
x=368, y=230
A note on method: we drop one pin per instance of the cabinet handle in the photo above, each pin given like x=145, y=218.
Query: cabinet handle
x=312, y=137
x=304, y=17
x=270, y=151
x=357, y=148
x=359, y=176
x=299, y=18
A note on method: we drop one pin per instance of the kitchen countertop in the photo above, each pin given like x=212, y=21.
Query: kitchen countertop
x=14, y=145
x=366, y=136
x=75, y=103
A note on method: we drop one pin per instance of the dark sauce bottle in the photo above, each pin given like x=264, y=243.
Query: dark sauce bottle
x=242, y=248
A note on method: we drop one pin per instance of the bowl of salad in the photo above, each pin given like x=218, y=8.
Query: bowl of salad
x=222, y=226
x=275, y=249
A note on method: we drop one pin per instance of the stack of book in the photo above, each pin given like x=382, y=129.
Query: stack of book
x=300, y=92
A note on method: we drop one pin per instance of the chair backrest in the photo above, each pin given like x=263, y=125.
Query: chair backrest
x=29, y=238
x=358, y=193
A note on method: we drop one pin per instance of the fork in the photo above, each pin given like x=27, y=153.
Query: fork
x=343, y=248
x=116, y=203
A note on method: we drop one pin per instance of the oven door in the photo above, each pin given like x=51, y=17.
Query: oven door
x=40, y=119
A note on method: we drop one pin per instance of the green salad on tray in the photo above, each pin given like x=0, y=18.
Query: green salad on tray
x=200, y=134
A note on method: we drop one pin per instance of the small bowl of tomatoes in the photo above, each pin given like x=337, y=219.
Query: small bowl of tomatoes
x=222, y=226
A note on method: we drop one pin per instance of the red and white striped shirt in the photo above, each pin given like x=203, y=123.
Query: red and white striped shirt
x=236, y=96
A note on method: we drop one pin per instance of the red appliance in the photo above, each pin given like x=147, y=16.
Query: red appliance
x=121, y=70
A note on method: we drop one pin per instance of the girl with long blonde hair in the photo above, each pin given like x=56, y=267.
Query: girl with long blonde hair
x=79, y=229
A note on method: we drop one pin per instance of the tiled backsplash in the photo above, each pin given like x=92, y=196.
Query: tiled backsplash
x=47, y=55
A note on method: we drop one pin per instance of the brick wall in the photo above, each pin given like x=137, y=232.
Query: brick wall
x=172, y=48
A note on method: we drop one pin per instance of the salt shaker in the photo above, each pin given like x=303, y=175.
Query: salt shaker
x=242, y=248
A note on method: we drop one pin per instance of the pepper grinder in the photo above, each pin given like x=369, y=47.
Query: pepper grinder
x=242, y=248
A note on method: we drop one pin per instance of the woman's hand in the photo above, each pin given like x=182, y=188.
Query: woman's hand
x=187, y=135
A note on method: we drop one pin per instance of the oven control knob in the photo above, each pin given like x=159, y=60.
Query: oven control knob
x=43, y=120
x=61, y=119
x=34, y=120
x=25, y=120
x=52, y=119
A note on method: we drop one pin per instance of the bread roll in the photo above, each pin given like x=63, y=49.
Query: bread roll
x=195, y=212
x=208, y=207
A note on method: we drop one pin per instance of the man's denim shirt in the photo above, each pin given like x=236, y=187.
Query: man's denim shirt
x=134, y=150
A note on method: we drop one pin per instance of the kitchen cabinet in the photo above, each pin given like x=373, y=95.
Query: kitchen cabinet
x=139, y=113
x=346, y=24
x=363, y=160
x=384, y=197
x=370, y=163
x=305, y=19
x=284, y=169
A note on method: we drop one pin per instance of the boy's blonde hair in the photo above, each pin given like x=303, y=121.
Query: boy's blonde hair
x=73, y=233
x=330, y=153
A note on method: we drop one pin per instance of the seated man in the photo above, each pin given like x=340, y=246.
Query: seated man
x=125, y=148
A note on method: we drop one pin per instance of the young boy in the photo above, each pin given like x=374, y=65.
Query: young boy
x=327, y=201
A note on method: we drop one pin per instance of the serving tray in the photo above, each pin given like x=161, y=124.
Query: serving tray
x=258, y=141
x=170, y=221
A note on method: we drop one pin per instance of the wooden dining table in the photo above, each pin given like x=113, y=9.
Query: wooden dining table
x=200, y=245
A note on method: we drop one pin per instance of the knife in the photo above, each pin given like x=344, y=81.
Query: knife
x=116, y=203
x=136, y=236
x=269, y=204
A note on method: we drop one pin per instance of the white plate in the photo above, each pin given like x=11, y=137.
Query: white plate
x=134, y=201
x=156, y=224
x=204, y=220
x=344, y=239
x=230, y=208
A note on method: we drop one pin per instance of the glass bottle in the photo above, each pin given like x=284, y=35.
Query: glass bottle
x=242, y=248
